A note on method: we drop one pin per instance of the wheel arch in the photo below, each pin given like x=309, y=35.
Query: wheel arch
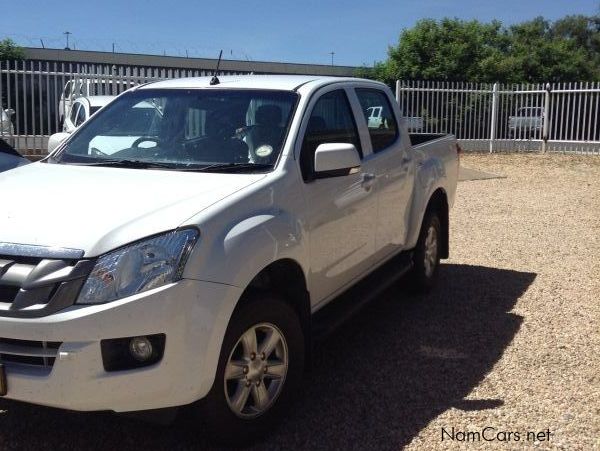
x=438, y=202
x=286, y=278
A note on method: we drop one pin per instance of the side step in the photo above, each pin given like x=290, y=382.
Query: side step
x=352, y=301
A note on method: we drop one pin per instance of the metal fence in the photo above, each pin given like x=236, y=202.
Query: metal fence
x=552, y=117
x=38, y=94
x=530, y=117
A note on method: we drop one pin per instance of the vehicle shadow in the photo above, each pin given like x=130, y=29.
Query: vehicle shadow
x=374, y=384
x=407, y=358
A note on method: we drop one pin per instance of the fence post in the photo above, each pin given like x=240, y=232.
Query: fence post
x=398, y=91
x=546, y=117
x=494, y=114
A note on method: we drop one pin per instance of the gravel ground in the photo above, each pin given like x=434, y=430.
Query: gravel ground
x=509, y=339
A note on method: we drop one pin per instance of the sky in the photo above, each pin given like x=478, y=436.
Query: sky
x=307, y=31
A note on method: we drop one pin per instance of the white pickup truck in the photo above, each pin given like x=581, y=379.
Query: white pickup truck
x=197, y=262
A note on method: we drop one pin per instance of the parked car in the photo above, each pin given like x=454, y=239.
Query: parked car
x=82, y=109
x=86, y=87
x=195, y=262
x=10, y=159
x=375, y=117
x=527, y=123
x=414, y=123
x=6, y=125
x=142, y=117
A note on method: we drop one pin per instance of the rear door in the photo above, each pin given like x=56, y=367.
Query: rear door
x=341, y=211
x=389, y=157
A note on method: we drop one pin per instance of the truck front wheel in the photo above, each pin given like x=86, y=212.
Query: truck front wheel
x=426, y=255
x=260, y=367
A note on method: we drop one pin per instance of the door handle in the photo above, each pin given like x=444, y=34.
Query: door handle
x=368, y=180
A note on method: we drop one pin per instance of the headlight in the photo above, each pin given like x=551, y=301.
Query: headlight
x=138, y=267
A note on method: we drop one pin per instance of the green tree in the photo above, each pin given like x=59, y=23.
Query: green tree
x=532, y=51
x=10, y=51
x=538, y=54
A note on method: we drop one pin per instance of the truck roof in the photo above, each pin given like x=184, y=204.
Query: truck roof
x=280, y=82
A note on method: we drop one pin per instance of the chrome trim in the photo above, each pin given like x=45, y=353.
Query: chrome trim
x=31, y=250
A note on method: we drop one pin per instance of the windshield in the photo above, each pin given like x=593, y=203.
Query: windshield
x=185, y=129
x=94, y=109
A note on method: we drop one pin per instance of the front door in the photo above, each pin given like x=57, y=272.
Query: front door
x=342, y=210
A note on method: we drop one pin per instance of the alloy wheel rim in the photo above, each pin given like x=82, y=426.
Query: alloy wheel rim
x=255, y=371
x=431, y=251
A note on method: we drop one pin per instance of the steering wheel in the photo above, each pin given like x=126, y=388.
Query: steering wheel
x=243, y=131
x=97, y=152
x=142, y=139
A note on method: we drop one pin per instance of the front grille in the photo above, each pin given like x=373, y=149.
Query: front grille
x=8, y=294
x=35, y=286
x=27, y=352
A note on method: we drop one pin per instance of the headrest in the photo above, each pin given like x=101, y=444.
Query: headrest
x=268, y=115
x=217, y=124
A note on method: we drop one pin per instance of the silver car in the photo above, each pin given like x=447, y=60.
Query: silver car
x=6, y=126
x=10, y=158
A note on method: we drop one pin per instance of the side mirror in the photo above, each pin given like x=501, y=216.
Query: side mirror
x=10, y=112
x=336, y=159
x=55, y=140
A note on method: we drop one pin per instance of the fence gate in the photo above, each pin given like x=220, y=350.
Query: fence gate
x=529, y=117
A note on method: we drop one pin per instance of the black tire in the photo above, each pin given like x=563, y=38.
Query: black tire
x=224, y=426
x=421, y=277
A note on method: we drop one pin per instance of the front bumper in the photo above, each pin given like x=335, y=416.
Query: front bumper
x=192, y=314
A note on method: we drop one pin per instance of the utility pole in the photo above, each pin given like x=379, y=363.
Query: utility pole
x=67, y=33
x=332, y=53
x=113, y=47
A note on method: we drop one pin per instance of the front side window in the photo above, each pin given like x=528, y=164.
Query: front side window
x=182, y=128
x=74, y=112
x=379, y=116
x=80, y=119
x=331, y=121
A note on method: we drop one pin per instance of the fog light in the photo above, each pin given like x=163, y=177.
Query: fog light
x=140, y=348
x=128, y=353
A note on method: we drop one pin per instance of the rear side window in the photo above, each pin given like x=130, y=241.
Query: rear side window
x=331, y=121
x=379, y=116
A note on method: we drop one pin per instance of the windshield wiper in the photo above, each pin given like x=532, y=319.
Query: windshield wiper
x=134, y=164
x=232, y=167
x=140, y=164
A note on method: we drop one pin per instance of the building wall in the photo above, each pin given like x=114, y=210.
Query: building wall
x=174, y=62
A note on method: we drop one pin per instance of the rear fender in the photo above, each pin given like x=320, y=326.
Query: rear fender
x=430, y=175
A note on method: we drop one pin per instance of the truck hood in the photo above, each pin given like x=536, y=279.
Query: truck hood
x=97, y=209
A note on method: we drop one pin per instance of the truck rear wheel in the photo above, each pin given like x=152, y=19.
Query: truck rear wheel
x=260, y=367
x=426, y=255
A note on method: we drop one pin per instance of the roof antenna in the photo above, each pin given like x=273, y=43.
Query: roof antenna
x=214, y=80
